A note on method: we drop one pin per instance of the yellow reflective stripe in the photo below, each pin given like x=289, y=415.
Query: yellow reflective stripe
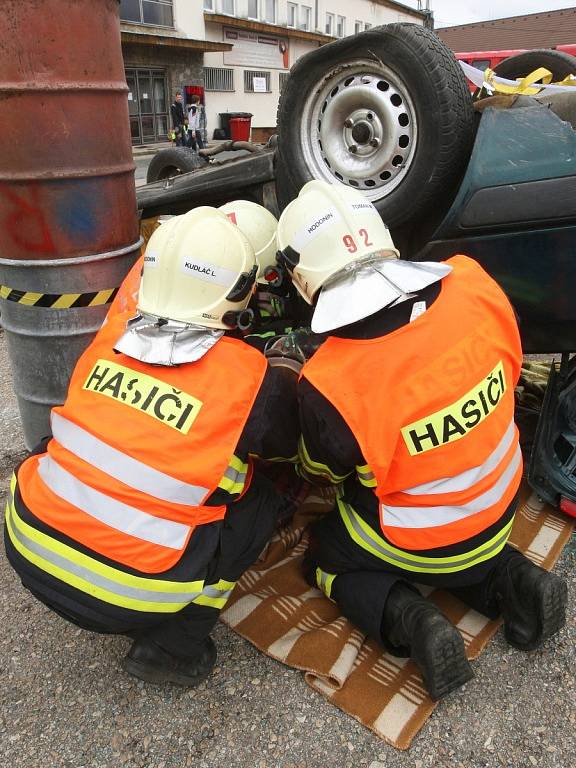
x=277, y=459
x=316, y=467
x=234, y=479
x=369, y=540
x=212, y=595
x=230, y=486
x=121, y=577
x=238, y=464
x=81, y=584
x=365, y=475
x=211, y=600
x=324, y=581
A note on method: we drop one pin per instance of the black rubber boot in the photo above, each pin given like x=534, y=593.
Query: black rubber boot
x=416, y=626
x=531, y=600
x=148, y=661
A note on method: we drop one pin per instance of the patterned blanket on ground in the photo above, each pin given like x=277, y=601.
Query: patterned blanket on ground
x=277, y=611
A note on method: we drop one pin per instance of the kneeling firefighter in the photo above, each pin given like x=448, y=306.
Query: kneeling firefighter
x=409, y=404
x=144, y=508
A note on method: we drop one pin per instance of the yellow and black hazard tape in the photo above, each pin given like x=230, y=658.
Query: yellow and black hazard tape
x=58, y=300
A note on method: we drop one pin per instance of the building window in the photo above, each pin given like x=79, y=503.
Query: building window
x=292, y=15
x=252, y=9
x=256, y=82
x=367, y=26
x=218, y=79
x=147, y=105
x=305, y=17
x=228, y=7
x=208, y=5
x=270, y=11
x=341, y=26
x=282, y=80
x=329, y=23
x=357, y=27
x=157, y=12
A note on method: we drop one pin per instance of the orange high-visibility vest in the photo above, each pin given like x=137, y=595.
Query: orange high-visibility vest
x=432, y=407
x=127, y=296
x=137, y=449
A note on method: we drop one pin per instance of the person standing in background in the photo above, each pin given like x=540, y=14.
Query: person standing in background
x=196, y=122
x=177, y=112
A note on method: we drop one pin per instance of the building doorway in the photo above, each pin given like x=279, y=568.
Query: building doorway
x=147, y=105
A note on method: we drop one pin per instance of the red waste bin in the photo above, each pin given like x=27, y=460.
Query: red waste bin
x=240, y=128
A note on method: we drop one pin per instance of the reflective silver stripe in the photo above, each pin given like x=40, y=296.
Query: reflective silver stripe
x=235, y=475
x=97, y=579
x=119, y=465
x=214, y=591
x=471, y=476
x=324, y=581
x=376, y=545
x=366, y=476
x=107, y=510
x=430, y=517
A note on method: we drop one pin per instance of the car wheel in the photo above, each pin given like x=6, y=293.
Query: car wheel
x=387, y=112
x=173, y=162
x=560, y=64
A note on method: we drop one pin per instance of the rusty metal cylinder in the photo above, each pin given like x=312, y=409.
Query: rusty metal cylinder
x=68, y=219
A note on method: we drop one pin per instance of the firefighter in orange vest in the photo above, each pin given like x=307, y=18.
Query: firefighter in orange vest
x=144, y=508
x=409, y=406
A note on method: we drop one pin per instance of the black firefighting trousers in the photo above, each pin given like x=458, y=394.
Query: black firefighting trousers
x=363, y=581
x=247, y=527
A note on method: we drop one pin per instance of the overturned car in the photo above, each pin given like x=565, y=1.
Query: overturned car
x=389, y=112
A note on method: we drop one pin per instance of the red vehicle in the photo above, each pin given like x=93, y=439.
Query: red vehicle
x=555, y=59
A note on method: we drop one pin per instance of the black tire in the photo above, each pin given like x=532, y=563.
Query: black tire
x=173, y=162
x=559, y=63
x=434, y=118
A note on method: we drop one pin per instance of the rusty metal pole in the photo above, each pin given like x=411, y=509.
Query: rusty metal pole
x=68, y=219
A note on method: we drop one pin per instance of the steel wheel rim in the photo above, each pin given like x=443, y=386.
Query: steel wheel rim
x=359, y=128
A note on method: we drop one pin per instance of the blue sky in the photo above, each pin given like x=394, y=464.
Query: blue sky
x=448, y=13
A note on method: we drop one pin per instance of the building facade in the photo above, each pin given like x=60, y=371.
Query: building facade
x=235, y=54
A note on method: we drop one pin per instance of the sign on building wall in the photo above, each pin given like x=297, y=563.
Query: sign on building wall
x=255, y=50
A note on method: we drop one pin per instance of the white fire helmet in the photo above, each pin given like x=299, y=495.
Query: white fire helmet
x=259, y=226
x=199, y=269
x=326, y=229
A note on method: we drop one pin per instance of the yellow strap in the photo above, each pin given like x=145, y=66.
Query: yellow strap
x=527, y=85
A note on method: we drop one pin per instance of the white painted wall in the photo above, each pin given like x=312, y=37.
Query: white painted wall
x=189, y=18
x=263, y=106
x=353, y=10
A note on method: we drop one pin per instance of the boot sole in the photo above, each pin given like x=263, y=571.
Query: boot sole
x=552, y=599
x=444, y=665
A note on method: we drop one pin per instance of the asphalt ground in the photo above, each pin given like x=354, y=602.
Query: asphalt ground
x=66, y=703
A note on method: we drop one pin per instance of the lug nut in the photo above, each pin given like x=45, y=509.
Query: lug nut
x=375, y=142
x=348, y=123
x=370, y=116
x=353, y=148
